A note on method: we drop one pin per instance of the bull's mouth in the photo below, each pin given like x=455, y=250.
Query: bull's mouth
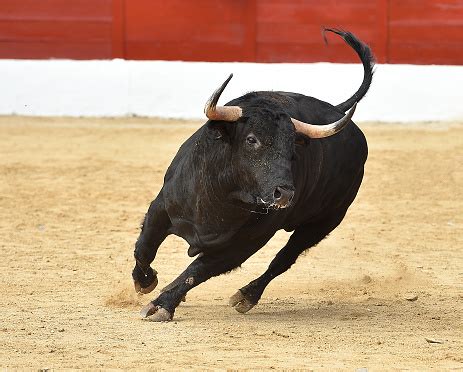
x=257, y=204
x=274, y=205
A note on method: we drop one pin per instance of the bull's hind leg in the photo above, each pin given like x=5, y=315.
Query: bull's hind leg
x=153, y=232
x=303, y=238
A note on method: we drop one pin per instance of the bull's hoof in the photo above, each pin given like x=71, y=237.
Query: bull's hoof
x=146, y=290
x=240, y=302
x=144, y=283
x=155, y=313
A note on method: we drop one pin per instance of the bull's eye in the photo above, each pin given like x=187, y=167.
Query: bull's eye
x=251, y=140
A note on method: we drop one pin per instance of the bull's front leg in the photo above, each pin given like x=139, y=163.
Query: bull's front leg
x=200, y=270
x=153, y=232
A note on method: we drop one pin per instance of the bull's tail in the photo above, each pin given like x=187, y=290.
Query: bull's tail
x=368, y=61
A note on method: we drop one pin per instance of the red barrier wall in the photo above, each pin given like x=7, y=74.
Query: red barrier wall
x=399, y=31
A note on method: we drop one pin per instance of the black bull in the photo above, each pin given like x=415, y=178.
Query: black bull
x=254, y=168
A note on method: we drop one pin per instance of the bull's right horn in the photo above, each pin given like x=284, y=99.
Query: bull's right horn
x=223, y=113
x=322, y=131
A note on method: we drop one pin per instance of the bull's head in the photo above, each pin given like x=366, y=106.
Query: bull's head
x=264, y=146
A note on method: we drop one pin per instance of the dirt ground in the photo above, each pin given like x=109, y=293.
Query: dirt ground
x=73, y=193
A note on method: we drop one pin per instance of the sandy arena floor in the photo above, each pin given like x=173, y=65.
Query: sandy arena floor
x=73, y=193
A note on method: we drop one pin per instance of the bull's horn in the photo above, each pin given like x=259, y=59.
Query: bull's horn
x=321, y=131
x=224, y=113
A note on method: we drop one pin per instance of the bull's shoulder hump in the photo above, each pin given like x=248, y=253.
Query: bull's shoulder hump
x=301, y=99
x=183, y=152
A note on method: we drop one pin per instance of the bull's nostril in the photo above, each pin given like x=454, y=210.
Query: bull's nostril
x=283, y=196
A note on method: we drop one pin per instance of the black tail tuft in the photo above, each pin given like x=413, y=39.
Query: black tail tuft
x=368, y=61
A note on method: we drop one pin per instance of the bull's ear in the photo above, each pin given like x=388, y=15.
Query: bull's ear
x=220, y=130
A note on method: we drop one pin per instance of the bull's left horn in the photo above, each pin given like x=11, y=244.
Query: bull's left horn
x=321, y=131
x=224, y=113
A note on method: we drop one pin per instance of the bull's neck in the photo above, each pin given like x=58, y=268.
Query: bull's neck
x=214, y=182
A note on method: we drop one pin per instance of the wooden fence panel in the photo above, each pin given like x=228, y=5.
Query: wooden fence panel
x=79, y=29
x=200, y=30
x=291, y=31
x=426, y=31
